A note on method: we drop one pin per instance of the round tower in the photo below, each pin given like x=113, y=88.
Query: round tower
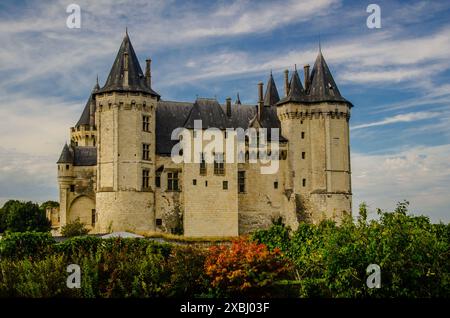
x=315, y=120
x=125, y=121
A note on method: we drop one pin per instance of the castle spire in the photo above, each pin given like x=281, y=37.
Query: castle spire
x=238, y=100
x=323, y=87
x=271, y=97
x=127, y=63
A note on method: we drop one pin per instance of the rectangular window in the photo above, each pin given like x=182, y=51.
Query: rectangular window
x=194, y=181
x=225, y=185
x=158, y=222
x=275, y=185
x=158, y=180
x=303, y=155
x=304, y=182
x=202, y=164
x=72, y=188
x=206, y=183
x=241, y=181
x=145, y=178
x=303, y=135
x=145, y=151
x=172, y=181
x=146, y=123
x=219, y=165
x=93, y=217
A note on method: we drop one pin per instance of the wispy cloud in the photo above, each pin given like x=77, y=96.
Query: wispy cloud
x=401, y=118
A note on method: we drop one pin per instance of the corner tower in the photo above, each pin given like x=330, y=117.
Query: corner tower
x=315, y=120
x=125, y=121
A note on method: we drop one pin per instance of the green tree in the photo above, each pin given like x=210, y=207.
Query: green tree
x=75, y=228
x=24, y=216
x=49, y=204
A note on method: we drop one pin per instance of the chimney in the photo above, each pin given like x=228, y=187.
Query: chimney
x=148, y=74
x=306, y=73
x=286, y=82
x=229, y=106
x=260, y=99
x=125, y=69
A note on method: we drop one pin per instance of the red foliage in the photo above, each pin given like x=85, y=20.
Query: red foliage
x=244, y=266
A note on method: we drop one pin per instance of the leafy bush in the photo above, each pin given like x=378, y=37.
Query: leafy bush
x=75, y=228
x=26, y=244
x=331, y=261
x=244, y=268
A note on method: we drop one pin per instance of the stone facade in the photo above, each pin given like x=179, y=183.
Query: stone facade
x=117, y=173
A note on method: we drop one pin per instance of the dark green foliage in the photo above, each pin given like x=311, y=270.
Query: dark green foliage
x=49, y=204
x=26, y=245
x=75, y=228
x=331, y=260
x=17, y=216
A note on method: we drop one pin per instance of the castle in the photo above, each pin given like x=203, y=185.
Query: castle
x=117, y=173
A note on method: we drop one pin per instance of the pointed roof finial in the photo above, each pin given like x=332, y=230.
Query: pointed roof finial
x=320, y=45
x=295, y=67
x=126, y=30
x=97, y=79
x=238, y=99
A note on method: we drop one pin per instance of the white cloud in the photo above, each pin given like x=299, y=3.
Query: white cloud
x=401, y=118
x=420, y=175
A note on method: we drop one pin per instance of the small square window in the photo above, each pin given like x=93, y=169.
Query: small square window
x=275, y=185
x=158, y=222
x=194, y=181
x=225, y=185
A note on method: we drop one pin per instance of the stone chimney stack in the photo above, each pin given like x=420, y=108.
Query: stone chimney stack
x=306, y=74
x=260, y=99
x=286, y=82
x=229, y=106
x=148, y=74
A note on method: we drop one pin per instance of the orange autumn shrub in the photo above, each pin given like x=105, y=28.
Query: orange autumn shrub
x=244, y=268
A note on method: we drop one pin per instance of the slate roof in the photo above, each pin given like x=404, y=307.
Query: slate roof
x=209, y=111
x=271, y=97
x=136, y=78
x=86, y=114
x=66, y=155
x=323, y=88
x=78, y=156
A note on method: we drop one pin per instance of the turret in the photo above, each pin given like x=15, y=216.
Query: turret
x=125, y=121
x=315, y=121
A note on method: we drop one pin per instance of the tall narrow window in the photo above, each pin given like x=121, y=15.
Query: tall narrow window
x=145, y=178
x=202, y=164
x=303, y=155
x=241, y=181
x=225, y=185
x=219, y=167
x=93, y=217
x=275, y=185
x=72, y=188
x=172, y=181
x=158, y=180
x=145, y=152
x=303, y=135
x=304, y=182
x=146, y=123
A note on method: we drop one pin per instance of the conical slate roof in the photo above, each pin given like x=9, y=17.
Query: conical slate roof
x=85, y=118
x=271, y=97
x=323, y=87
x=116, y=80
x=66, y=155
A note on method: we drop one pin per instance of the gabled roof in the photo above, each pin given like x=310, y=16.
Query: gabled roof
x=66, y=155
x=323, y=87
x=209, y=112
x=271, y=97
x=136, y=78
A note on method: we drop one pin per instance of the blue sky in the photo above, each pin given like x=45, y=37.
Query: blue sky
x=397, y=77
